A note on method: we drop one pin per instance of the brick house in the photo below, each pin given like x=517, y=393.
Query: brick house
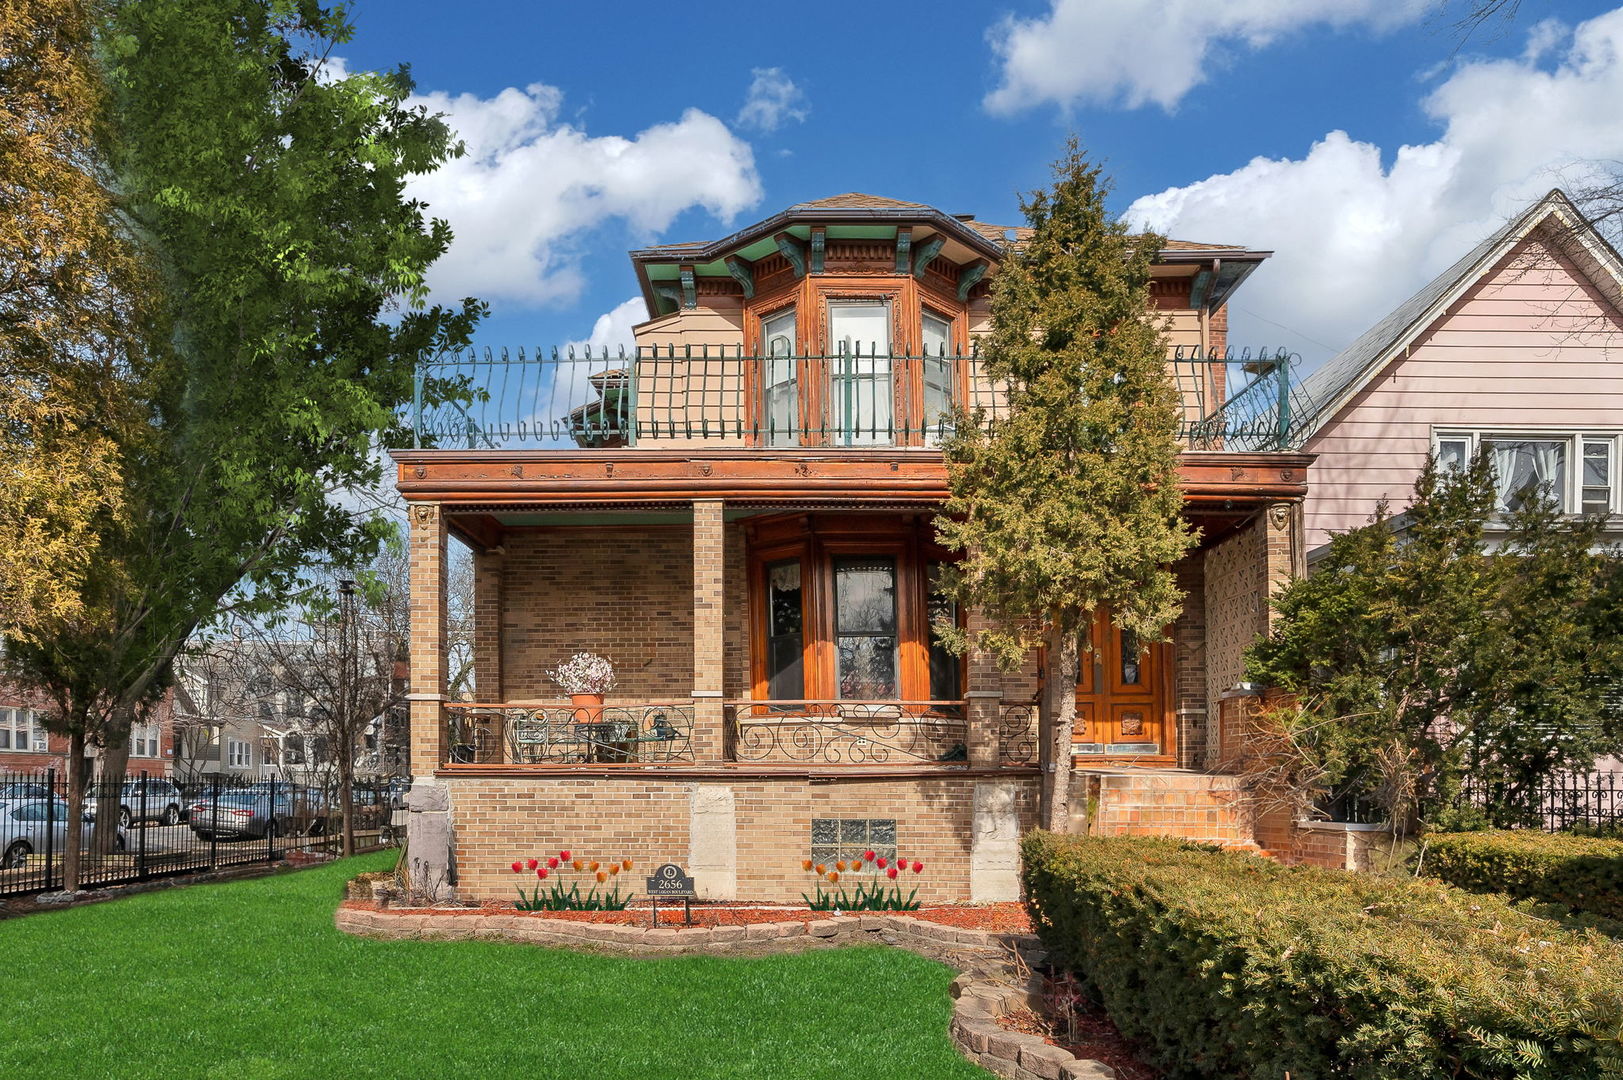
x=738, y=515
x=27, y=748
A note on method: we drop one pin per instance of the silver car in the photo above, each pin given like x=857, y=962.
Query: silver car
x=26, y=823
x=250, y=813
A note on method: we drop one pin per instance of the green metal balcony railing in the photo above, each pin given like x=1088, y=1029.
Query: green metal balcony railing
x=704, y=394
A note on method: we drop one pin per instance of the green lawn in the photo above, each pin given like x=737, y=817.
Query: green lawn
x=249, y=980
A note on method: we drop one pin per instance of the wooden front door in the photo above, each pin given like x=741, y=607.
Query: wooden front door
x=1121, y=698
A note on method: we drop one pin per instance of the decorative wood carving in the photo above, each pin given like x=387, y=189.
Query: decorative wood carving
x=793, y=250
x=969, y=276
x=904, y=247
x=690, y=292
x=926, y=252
x=743, y=273
x=819, y=237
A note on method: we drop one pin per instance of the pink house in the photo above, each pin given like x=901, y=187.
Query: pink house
x=1517, y=348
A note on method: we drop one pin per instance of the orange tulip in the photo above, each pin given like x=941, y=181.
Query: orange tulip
x=625, y=864
x=614, y=869
x=840, y=865
x=593, y=866
x=821, y=869
x=805, y=864
x=833, y=876
x=601, y=877
x=576, y=864
x=856, y=866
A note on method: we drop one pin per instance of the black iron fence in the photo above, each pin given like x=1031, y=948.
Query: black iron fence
x=142, y=826
x=1578, y=801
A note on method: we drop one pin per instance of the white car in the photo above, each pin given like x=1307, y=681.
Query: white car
x=23, y=829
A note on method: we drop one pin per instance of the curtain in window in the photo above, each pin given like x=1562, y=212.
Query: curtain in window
x=1526, y=469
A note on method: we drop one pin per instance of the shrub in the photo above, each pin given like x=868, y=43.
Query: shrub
x=1224, y=964
x=1584, y=873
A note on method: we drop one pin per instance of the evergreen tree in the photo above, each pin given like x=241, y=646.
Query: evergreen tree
x=1067, y=500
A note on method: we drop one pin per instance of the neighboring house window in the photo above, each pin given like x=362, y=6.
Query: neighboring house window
x=21, y=732
x=242, y=754
x=144, y=740
x=1575, y=469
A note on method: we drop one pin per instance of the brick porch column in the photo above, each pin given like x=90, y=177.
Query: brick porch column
x=428, y=638
x=428, y=829
x=985, y=696
x=709, y=629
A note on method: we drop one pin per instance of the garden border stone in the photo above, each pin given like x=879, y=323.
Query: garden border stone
x=996, y=978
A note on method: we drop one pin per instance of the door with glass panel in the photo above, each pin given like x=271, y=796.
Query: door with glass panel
x=862, y=393
x=1121, y=696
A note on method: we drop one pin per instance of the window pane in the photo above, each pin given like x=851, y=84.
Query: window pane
x=946, y=684
x=782, y=403
x=1453, y=453
x=865, y=628
x=860, y=372
x=785, y=674
x=1527, y=469
x=937, y=378
x=1597, y=478
x=1131, y=659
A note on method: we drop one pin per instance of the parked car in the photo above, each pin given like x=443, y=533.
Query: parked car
x=252, y=812
x=164, y=802
x=23, y=789
x=24, y=824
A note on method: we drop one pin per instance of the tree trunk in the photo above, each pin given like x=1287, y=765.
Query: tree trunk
x=346, y=796
x=76, y=809
x=1056, y=720
x=115, y=761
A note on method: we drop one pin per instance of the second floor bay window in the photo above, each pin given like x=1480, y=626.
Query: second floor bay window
x=1576, y=470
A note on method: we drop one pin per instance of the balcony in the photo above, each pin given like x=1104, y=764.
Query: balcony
x=713, y=396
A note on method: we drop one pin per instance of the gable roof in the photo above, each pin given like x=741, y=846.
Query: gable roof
x=1333, y=385
x=857, y=200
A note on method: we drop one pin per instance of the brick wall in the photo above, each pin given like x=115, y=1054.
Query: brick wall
x=625, y=593
x=1189, y=690
x=649, y=819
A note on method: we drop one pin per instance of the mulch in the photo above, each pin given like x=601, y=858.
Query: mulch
x=1006, y=918
x=1096, y=1038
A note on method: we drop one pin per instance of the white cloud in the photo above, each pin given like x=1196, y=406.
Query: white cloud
x=1142, y=52
x=1354, y=237
x=532, y=185
x=612, y=331
x=773, y=99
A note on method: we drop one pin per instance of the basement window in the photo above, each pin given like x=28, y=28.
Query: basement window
x=833, y=839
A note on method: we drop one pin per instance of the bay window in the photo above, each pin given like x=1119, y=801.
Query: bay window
x=845, y=610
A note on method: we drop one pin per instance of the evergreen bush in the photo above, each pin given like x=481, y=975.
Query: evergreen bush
x=1222, y=964
x=1584, y=873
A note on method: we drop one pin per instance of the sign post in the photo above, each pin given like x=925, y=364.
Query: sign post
x=668, y=882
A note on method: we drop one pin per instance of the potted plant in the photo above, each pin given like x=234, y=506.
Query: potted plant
x=585, y=677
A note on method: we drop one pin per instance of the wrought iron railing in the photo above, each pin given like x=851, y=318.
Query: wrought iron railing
x=848, y=732
x=1017, y=733
x=659, y=396
x=640, y=734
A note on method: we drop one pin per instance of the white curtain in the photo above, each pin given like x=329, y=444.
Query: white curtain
x=1524, y=467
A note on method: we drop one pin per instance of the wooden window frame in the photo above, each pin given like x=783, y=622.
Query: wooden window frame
x=810, y=296
x=817, y=541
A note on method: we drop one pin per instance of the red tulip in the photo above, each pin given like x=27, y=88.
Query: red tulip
x=867, y=856
x=552, y=863
x=564, y=855
x=891, y=873
x=518, y=867
x=531, y=863
x=541, y=874
x=917, y=866
x=880, y=862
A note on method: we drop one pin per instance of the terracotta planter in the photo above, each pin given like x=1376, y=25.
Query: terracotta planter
x=588, y=707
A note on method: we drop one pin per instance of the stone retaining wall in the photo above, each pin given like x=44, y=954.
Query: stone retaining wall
x=995, y=979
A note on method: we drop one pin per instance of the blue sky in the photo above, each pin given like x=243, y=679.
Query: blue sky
x=1359, y=139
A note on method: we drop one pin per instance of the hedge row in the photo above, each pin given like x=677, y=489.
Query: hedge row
x=1227, y=965
x=1584, y=873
